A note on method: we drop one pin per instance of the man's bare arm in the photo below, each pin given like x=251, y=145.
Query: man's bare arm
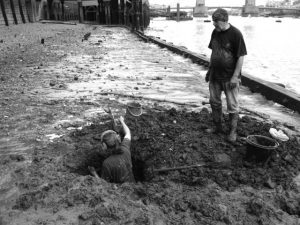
x=238, y=67
x=235, y=77
x=125, y=128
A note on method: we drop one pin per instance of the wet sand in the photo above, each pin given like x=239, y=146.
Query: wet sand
x=52, y=100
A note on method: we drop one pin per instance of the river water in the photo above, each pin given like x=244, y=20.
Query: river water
x=273, y=47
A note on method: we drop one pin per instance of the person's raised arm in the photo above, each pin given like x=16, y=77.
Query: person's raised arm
x=125, y=128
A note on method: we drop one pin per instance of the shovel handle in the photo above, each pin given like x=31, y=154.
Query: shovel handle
x=178, y=168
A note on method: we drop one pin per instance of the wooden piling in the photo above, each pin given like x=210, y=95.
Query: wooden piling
x=99, y=11
x=178, y=12
x=12, y=6
x=136, y=13
x=125, y=13
x=122, y=12
x=33, y=9
x=80, y=11
x=21, y=11
x=3, y=12
x=119, y=12
x=107, y=12
x=30, y=10
x=62, y=2
x=141, y=16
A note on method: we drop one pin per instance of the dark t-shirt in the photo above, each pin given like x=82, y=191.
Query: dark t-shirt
x=227, y=46
x=118, y=168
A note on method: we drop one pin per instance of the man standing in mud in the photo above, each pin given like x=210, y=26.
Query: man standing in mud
x=117, y=168
x=224, y=74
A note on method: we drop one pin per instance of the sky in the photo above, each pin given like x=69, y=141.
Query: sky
x=207, y=2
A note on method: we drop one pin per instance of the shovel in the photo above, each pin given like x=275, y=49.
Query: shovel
x=176, y=168
x=152, y=171
x=113, y=120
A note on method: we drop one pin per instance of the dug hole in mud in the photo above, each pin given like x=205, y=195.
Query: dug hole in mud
x=55, y=187
x=226, y=193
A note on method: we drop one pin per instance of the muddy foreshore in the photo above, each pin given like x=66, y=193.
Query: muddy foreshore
x=50, y=129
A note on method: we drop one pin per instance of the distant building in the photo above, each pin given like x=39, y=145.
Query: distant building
x=280, y=3
x=250, y=2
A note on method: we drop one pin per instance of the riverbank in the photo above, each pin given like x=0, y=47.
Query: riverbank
x=52, y=100
x=271, y=54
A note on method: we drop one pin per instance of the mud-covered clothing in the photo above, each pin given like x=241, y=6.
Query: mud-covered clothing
x=215, y=90
x=227, y=46
x=117, y=168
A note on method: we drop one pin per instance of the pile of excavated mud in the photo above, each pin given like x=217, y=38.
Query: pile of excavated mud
x=223, y=191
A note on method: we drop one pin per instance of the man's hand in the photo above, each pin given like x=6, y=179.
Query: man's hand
x=125, y=128
x=233, y=82
x=107, y=110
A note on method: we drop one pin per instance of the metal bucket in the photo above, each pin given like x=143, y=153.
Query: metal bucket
x=260, y=146
x=134, y=109
x=262, y=142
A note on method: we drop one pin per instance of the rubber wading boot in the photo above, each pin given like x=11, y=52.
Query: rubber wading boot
x=233, y=120
x=217, y=120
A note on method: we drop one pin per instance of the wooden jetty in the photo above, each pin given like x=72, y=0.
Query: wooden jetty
x=182, y=16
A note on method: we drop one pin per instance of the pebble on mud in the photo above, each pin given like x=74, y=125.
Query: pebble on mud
x=269, y=183
x=52, y=83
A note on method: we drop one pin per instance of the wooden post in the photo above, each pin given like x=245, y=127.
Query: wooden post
x=3, y=12
x=80, y=11
x=141, y=16
x=62, y=9
x=178, y=12
x=125, y=13
x=21, y=11
x=33, y=11
x=131, y=13
x=137, y=15
x=55, y=14
x=169, y=11
x=107, y=11
x=12, y=5
x=119, y=12
x=48, y=10
x=99, y=12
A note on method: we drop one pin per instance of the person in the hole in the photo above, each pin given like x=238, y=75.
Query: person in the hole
x=117, y=168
